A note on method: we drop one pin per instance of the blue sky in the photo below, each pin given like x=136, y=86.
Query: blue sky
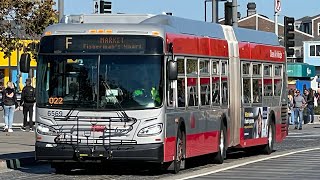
x=194, y=9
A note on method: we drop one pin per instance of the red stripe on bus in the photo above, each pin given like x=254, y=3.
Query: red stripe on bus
x=261, y=52
x=254, y=142
x=196, y=145
x=193, y=45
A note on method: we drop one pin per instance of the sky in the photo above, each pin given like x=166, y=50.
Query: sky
x=194, y=9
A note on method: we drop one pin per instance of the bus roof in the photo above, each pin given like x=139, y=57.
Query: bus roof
x=146, y=24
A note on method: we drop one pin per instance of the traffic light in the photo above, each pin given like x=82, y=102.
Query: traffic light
x=105, y=7
x=228, y=13
x=289, y=35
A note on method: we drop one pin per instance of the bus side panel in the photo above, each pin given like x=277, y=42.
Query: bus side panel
x=202, y=132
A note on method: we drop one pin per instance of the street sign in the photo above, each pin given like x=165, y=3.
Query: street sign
x=277, y=6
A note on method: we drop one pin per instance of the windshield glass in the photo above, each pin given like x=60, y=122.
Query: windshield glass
x=100, y=82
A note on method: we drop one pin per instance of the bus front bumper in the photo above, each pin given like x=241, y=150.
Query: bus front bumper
x=66, y=152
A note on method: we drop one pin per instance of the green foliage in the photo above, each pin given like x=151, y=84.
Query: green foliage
x=317, y=110
x=26, y=18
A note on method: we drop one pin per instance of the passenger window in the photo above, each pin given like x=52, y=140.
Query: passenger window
x=256, y=69
x=224, y=68
x=215, y=68
x=192, y=66
x=267, y=69
x=192, y=90
x=277, y=87
x=216, y=90
x=180, y=66
x=267, y=87
x=246, y=68
x=246, y=90
x=277, y=70
x=257, y=90
x=204, y=66
x=205, y=91
x=181, y=92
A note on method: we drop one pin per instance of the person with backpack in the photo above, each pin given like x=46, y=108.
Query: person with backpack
x=27, y=100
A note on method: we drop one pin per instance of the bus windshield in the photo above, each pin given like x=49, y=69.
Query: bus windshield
x=95, y=82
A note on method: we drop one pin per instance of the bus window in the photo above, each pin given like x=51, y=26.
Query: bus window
x=277, y=70
x=192, y=66
x=215, y=68
x=224, y=90
x=205, y=91
x=277, y=87
x=192, y=90
x=246, y=68
x=257, y=90
x=267, y=69
x=267, y=87
x=246, y=90
x=181, y=92
x=216, y=91
x=256, y=69
x=180, y=66
x=224, y=68
x=204, y=67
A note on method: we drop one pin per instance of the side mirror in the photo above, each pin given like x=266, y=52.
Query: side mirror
x=25, y=62
x=172, y=70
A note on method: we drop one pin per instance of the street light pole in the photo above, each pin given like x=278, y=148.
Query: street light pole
x=234, y=13
x=215, y=11
x=61, y=9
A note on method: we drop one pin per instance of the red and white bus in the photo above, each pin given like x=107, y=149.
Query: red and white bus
x=157, y=89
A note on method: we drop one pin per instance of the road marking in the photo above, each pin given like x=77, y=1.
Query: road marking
x=251, y=162
x=307, y=135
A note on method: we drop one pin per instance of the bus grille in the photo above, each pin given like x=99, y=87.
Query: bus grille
x=81, y=130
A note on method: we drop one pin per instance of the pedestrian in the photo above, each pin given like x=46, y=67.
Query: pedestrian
x=299, y=104
x=28, y=98
x=10, y=104
x=290, y=107
x=310, y=105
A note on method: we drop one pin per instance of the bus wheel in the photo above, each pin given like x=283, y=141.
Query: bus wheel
x=221, y=154
x=268, y=148
x=180, y=154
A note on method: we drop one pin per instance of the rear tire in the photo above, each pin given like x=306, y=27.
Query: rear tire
x=180, y=154
x=268, y=148
x=221, y=154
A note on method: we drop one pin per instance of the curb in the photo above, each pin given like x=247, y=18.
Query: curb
x=17, y=163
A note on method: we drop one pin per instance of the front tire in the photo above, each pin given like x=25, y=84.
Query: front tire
x=61, y=168
x=221, y=154
x=180, y=154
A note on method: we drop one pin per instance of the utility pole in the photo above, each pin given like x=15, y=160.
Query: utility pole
x=215, y=11
x=277, y=9
x=234, y=13
x=61, y=9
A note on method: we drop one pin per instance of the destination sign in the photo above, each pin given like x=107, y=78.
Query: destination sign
x=101, y=44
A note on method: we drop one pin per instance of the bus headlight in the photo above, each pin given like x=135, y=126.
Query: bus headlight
x=151, y=130
x=46, y=130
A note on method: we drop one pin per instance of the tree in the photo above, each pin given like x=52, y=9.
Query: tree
x=23, y=19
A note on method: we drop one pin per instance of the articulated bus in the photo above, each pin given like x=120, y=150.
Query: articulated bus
x=156, y=88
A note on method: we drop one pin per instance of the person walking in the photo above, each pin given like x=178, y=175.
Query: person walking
x=310, y=106
x=27, y=100
x=9, y=104
x=298, y=109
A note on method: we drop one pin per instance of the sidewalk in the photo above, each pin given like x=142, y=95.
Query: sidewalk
x=16, y=149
